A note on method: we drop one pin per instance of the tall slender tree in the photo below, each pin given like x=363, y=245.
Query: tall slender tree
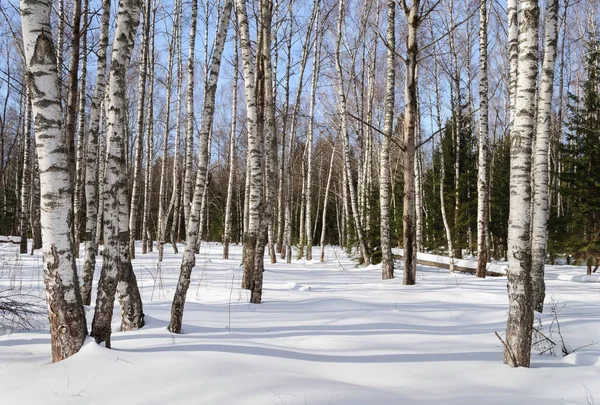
x=189, y=258
x=540, y=164
x=387, y=262
x=520, y=313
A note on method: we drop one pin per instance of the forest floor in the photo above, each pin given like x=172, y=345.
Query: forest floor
x=326, y=333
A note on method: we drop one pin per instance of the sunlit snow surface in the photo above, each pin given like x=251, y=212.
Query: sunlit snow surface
x=326, y=333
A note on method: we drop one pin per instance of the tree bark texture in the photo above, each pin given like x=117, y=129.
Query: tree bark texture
x=65, y=309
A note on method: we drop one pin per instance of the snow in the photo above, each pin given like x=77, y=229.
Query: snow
x=326, y=333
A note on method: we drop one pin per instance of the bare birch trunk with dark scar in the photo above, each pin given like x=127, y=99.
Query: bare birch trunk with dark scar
x=65, y=309
x=387, y=262
x=234, y=90
x=482, y=179
x=92, y=179
x=117, y=274
x=189, y=259
x=410, y=102
x=520, y=311
x=540, y=166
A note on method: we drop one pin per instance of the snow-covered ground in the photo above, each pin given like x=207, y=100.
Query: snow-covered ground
x=326, y=333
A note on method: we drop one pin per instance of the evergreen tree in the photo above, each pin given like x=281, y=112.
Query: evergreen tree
x=580, y=227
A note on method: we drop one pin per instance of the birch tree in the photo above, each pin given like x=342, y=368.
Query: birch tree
x=189, y=259
x=26, y=182
x=364, y=254
x=117, y=274
x=163, y=209
x=410, y=119
x=189, y=116
x=139, y=133
x=234, y=91
x=520, y=313
x=310, y=134
x=387, y=262
x=540, y=164
x=92, y=160
x=482, y=182
x=65, y=309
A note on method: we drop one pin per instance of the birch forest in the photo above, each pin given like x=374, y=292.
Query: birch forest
x=396, y=130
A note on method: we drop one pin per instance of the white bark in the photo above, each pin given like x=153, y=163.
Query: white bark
x=92, y=161
x=520, y=314
x=540, y=165
x=189, y=259
x=163, y=210
x=146, y=235
x=309, y=136
x=139, y=133
x=482, y=179
x=387, y=262
x=26, y=178
x=255, y=154
x=364, y=254
x=117, y=274
x=231, y=178
x=65, y=308
x=189, y=117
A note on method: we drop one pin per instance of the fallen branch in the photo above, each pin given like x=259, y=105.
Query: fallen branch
x=511, y=356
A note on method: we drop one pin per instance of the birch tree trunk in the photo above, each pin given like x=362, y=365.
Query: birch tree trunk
x=65, y=309
x=176, y=197
x=281, y=198
x=36, y=226
x=26, y=182
x=520, y=312
x=80, y=151
x=117, y=274
x=189, y=117
x=92, y=180
x=270, y=144
x=71, y=116
x=253, y=280
x=364, y=254
x=387, y=262
x=410, y=101
x=309, y=140
x=141, y=112
x=231, y=178
x=146, y=235
x=189, y=259
x=293, y=125
x=540, y=165
x=482, y=179
x=163, y=210
x=438, y=118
